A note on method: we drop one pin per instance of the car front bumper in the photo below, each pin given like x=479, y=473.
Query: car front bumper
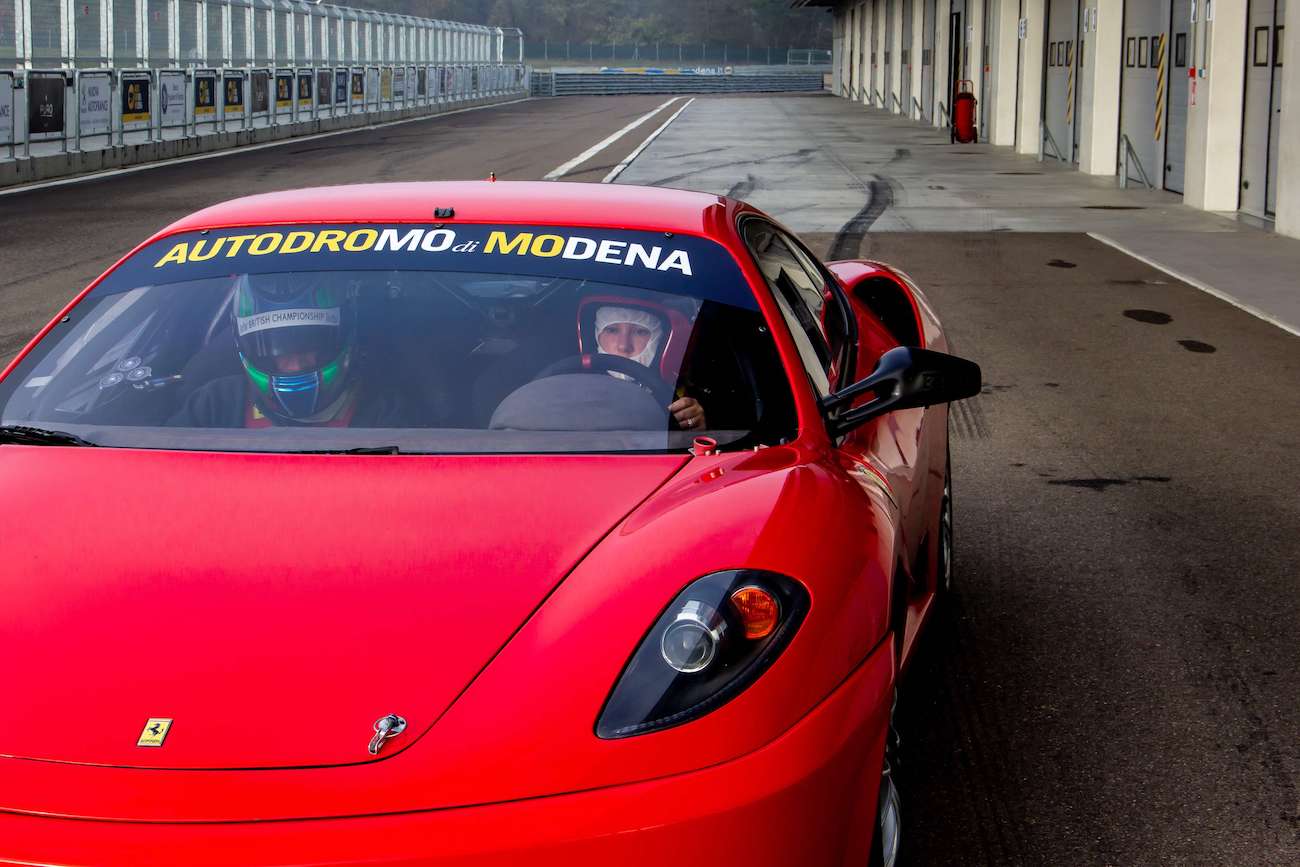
x=807, y=798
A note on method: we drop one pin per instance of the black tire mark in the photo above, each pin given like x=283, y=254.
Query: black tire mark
x=848, y=240
x=741, y=189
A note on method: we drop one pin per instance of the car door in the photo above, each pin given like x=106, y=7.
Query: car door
x=839, y=343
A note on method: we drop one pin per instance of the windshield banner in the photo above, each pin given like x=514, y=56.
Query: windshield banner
x=681, y=264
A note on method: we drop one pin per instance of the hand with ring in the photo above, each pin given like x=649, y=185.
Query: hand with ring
x=688, y=413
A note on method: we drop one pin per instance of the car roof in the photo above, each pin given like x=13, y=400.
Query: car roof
x=515, y=202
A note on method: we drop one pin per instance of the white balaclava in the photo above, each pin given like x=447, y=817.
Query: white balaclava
x=611, y=315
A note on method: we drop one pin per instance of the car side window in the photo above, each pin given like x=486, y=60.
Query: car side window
x=799, y=295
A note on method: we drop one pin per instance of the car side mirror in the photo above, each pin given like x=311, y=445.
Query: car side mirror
x=904, y=378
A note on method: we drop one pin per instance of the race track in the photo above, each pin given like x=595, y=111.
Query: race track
x=1116, y=681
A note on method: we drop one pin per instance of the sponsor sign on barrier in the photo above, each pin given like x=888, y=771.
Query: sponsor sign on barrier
x=95, y=103
x=372, y=85
x=45, y=105
x=171, y=98
x=232, y=93
x=341, y=88
x=422, y=82
x=205, y=95
x=358, y=87
x=399, y=84
x=304, y=87
x=386, y=84
x=324, y=86
x=6, y=108
x=261, y=84
x=136, y=106
x=283, y=91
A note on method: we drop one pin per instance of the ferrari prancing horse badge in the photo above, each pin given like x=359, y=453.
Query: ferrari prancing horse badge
x=155, y=730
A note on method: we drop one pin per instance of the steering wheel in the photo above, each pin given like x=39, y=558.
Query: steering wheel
x=606, y=364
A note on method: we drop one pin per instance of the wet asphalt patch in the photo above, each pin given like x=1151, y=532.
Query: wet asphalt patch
x=1150, y=317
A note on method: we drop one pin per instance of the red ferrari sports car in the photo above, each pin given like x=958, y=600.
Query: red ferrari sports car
x=469, y=524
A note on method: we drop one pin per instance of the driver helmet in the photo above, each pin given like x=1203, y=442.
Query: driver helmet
x=295, y=333
x=668, y=324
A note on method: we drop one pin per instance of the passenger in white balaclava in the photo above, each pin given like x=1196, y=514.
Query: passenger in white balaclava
x=636, y=334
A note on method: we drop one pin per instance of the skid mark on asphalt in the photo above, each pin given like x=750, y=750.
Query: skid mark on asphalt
x=741, y=189
x=802, y=155
x=1101, y=484
x=968, y=420
x=848, y=240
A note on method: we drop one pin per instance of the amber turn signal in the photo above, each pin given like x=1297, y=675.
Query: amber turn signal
x=759, y=611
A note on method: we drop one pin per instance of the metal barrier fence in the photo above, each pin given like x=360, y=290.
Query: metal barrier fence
x=42, y=34
x=69, y=110
x=559, y=51
x=612, y=84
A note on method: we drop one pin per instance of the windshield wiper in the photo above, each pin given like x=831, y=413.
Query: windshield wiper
x=35, y=436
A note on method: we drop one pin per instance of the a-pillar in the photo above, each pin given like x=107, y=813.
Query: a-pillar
x=1213, y=164
x=1004, y=44
x=1030, y=113
x=1288, y=167
x=942, y=62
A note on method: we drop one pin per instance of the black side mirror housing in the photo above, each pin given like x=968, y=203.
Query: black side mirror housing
x=905, y=377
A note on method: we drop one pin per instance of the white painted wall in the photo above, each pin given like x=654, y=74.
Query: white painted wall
x=1213, y=171
x=1099, y=90
x=1003, y=49
x=942, y=58
x=918, y=29
x=1288, y=176
x=1030, y=112
x=1214, y=126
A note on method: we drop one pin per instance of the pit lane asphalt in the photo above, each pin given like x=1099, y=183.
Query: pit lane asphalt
x=1116, y=679
x=54, y=241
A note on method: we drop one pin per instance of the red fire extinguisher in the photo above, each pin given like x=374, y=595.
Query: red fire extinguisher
x=963, y=113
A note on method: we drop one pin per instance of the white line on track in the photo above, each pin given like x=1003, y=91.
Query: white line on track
x=590, y=152
x=1192, y=281
x=229, y=152
x=618, y=169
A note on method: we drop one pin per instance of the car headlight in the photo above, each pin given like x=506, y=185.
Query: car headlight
x=713, y=641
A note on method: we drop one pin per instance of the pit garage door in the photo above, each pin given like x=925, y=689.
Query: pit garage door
x=907, y=59
x=1263, y=115
x=1144, y=80
x=1179, y=62
x=927, y=60
x=1060, y=103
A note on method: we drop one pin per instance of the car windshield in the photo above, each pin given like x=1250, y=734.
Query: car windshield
x=412, y=339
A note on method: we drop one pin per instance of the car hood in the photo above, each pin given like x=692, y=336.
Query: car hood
x=273, y=606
